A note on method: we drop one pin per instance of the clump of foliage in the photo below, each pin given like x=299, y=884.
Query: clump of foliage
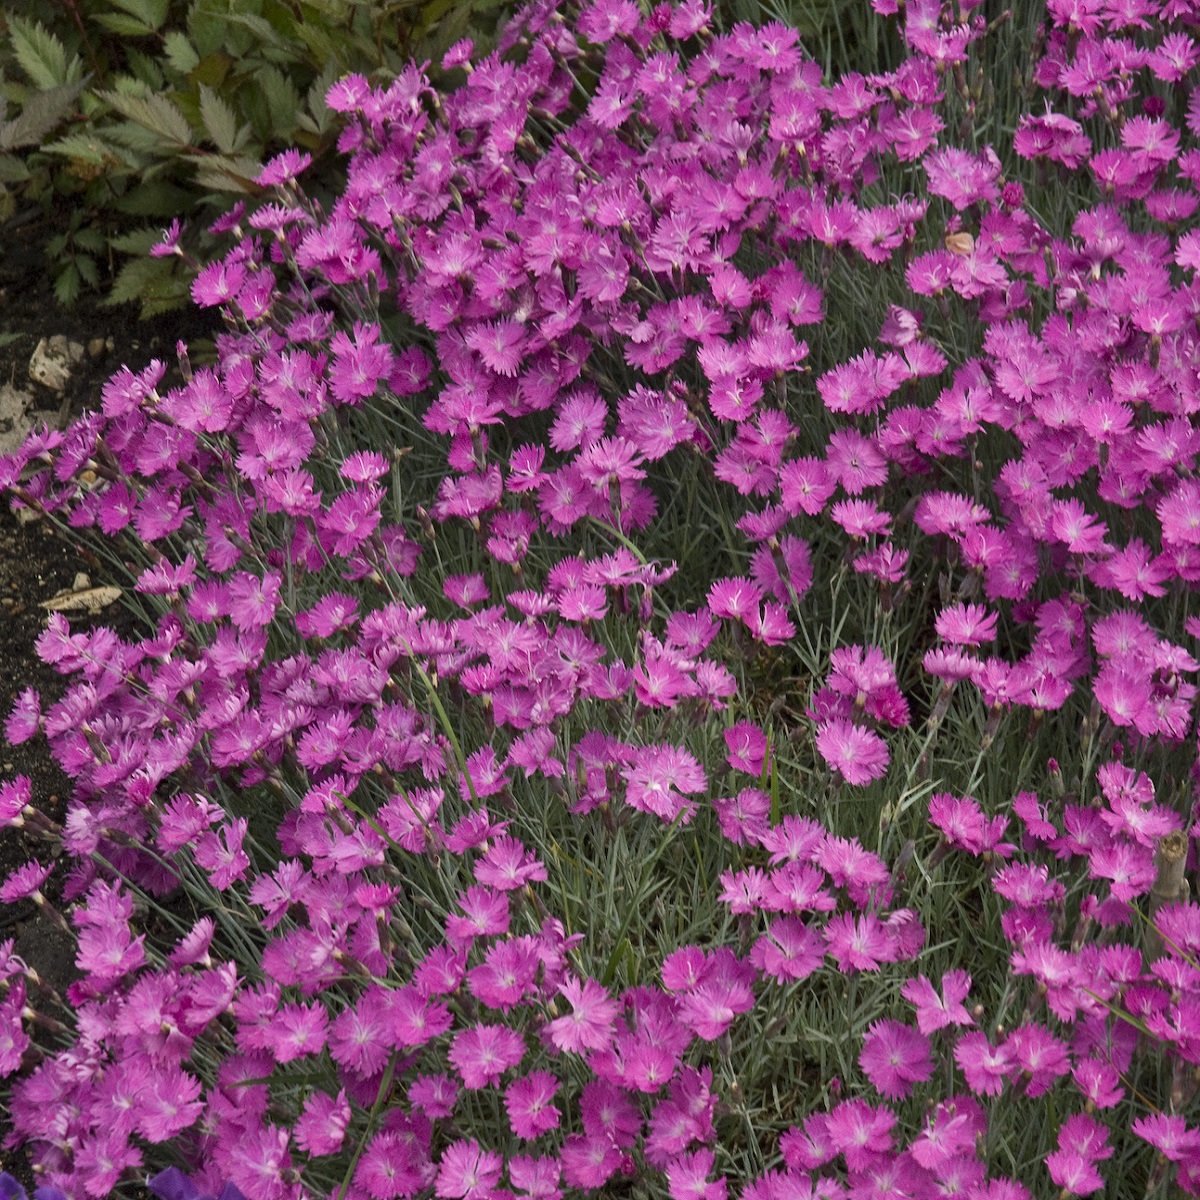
x=128, y=114
x=667, y=663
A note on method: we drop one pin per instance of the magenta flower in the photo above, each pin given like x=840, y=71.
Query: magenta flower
x=25, y=883
x=747, y=747
x=950, y=1131
x=482, y=1053
x=963, y=179
x=253, y=601
x=661, y=781
x=394, y=1167
x=507, y=973
x=529, y=1102
x=361, y=1037
x=1179, y=514
x=687, y=1177
x=966, y=624
x=501, y=345
x=102, y=1160
x=859, y=943
x=590, y=1025
x=963, y=825
x=321, y=1127
x=589, y=1162
x=745, y=817
x=1039, y=1056
x=16, y=800
x=221, y=855
x=937, y=1012
x=298, y=1030
x=894, y=1057
x=790, y=951
x=415, y=1019
x=984, y=1066
x=537, y=1178
x=864, y=875
x=1098, y=1082
x=506, y=865
x=467, y=1172
x=169, y=1106
x=736, y=599
x=858, y=754
x=860, y=1133
x=1074, y=1173
x=724, y=992
x=107, y=951
x=1169, y=1135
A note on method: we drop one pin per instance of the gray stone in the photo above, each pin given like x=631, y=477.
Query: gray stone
x=16, y=418
x=53, y=360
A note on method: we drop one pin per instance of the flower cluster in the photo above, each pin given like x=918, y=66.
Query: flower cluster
x=447, y=830
x=859, y=694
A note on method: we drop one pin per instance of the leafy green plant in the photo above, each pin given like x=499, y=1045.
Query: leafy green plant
x=128, y=114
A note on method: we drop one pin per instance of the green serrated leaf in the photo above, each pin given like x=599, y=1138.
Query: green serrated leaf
x=155, y=113
x=141, y=145
x=151, y=282
x=66, y=285
x=320, y=46
x=261, y=29
x=213, y=69
x=321, y=114
x=155, y=198
x=227, y=174
x=283, y=101
x=124, y=25
x=89, y=272
x=12, y=170
x=43, y=111
x=41, y=55
x=219, y=119
x=88, y=148
x=179, y=52
x=150, y=12
x=206, y=29
x=131, y=280
x=136, y=241
x=281, y=20
x=145, y=69
x=89, y=239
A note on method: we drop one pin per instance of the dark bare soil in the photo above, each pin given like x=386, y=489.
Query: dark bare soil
x=36, y=562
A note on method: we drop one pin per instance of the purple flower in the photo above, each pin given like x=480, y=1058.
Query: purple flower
x=173, y=1184
x=894, y=1057
x=529, y=1102
x=482, y=1053
x=858, y=754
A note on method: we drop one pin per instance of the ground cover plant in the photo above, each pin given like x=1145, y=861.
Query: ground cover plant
x=669, y=642
x=118, y=115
